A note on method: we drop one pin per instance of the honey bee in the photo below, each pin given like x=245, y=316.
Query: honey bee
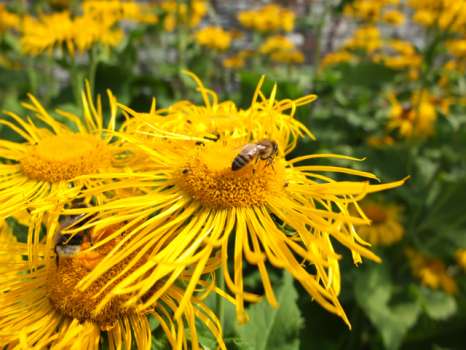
x=264, y=150
x=67, y=245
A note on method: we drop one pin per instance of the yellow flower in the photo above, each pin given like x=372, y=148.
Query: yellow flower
x=48, y=32
x=337, y=57
x=414, y=119
x=457, y=47
x=268, y=18
x=214, y=37
x=365, y=38
x=284, y=212
x=431, y=272
x=119, y=10
x=237, y=61
x=281, y=50
x=176, y=13
x=448, y=15
x=276, y=43
x=287, y=56
x=367, y=10
x=40, y=171
x=404, y=55
x=8, y=20
x=380, y=141
x=461, y=258
x=386, y=228
x=393, y=17
x=40, y=308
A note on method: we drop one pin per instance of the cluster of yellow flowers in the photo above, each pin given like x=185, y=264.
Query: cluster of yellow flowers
x=134, y=222
x=214, y=38
x=417, y=116
x=277, y=48
x=281, y=49
x=180, y=13
x=374, y=11
x=448, y=15
x=97, y=24
x=269, y=18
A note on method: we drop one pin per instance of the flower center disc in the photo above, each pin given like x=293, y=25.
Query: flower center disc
x=78, y=304
x=208, y=177
x=375, y=213
x=62, y=157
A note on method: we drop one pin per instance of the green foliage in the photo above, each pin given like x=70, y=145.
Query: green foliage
x=373, y=291
x=274, y=329
x=437, y=305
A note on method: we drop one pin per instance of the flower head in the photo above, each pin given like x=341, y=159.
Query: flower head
x=120, y=10
x=8, y=20
x=267, y=210
x=414, y=119
x=50, y=31
x=214, y=37
x=237, y=60
x=431, y=272
x=178, y=13
x=386, y=228
x=42, y=308
x=461, y=258
x=268, y=18
x=365, y=38
x=276, y=43
x=40, y=172
x=337, y=57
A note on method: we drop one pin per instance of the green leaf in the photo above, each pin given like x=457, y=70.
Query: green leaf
x=438, y=305
x=373, y=291
x=274, y=329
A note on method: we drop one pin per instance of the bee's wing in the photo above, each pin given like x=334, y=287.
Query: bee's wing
x=249, y=150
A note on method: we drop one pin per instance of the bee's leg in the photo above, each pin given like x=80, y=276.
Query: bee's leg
x=57, y=259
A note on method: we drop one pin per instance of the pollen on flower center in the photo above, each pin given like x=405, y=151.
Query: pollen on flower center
x=81, y=305
x=208, y=178
x=62, y=157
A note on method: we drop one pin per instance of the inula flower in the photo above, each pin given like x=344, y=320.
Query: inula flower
x=280, y=49
x=179, y=13
x=39, y=171
x=431, y=272
x=386, y=228
x=60, y=30
x=233, y=191
x=237, y=60
x=214, y=38
x=41, y=308
x=461, y=258
x=416, y=118
x=365, y=38
x=448, y=15
x=269, y=18
x=337, y=57
x=120, y=10
x=8, y=20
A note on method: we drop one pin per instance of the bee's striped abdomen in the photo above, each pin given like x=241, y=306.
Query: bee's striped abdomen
x=240, y=161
